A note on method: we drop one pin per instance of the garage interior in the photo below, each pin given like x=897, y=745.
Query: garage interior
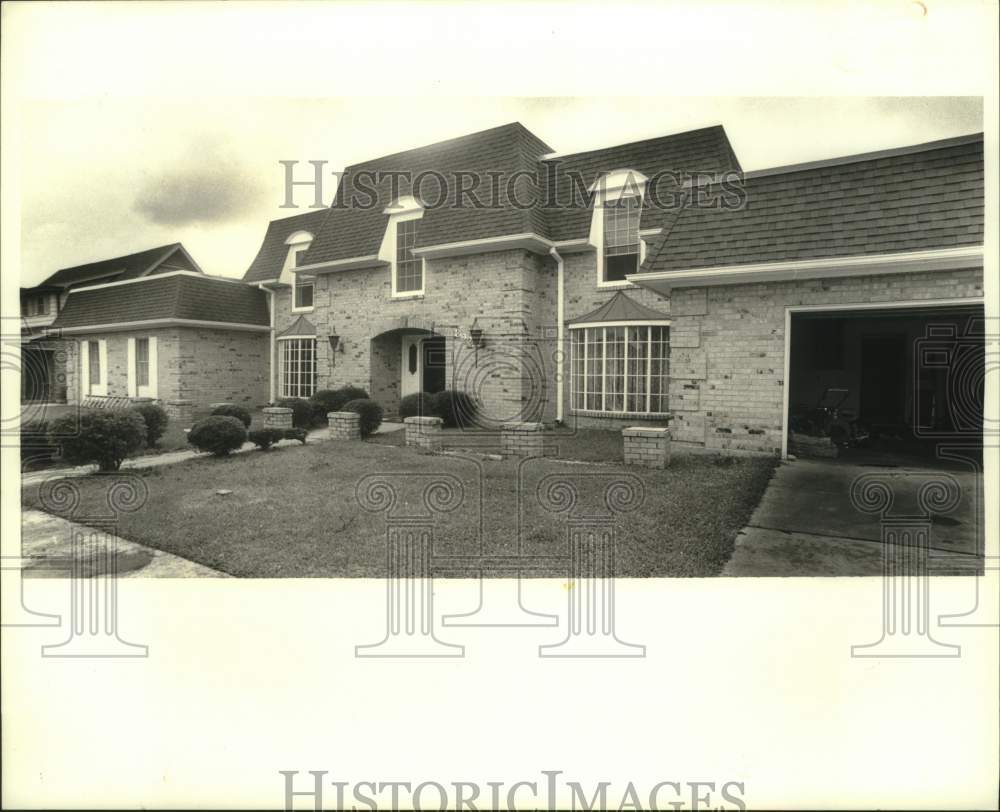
x=885, y=385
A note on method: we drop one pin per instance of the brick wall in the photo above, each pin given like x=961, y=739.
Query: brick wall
x=728, y=345
x=497, y=288
x=222, y=365
x=200, y=365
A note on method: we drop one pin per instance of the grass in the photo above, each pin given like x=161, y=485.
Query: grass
x=294, y=512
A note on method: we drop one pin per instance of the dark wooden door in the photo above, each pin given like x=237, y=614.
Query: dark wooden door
x=434, y=350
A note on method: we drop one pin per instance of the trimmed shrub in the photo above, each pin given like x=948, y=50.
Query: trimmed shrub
x=155, y=418
x=218, y=434
x=265, y=438
x=419, y=404
x=456, y=409
x=296, y=434
x=106, y=438
x=303, y=412
x=232, y=410
x=36, y=445
x=333, y=400
x=370, y=411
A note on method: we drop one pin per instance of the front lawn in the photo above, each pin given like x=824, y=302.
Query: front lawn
x=294, y=512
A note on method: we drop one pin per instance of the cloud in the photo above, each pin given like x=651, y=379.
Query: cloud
x=204, y=188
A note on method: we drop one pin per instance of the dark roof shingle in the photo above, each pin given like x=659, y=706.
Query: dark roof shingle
x=916, y=200
x=117, y=269
x=267, y=265
x=178, y=296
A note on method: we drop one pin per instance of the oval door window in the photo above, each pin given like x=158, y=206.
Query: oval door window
x=413, y=359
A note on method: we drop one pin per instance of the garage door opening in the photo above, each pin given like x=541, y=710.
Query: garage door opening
x=887, y=384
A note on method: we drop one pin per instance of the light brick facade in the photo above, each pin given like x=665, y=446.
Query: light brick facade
x=195, y=366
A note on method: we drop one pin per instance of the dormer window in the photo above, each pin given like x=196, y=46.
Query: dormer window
x=409, y=269
x=398, y=244
x=614, y=229
x=621, y=238
x=302, y=284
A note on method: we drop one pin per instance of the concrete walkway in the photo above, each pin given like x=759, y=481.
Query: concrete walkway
x=805, y=524
x=47, y=551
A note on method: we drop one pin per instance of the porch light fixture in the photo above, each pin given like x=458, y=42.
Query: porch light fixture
x=476, y=336
x=335, y=343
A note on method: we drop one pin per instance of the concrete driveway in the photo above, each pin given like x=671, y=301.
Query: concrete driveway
x=806, y=524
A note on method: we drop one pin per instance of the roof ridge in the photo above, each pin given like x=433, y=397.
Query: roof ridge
x=445, y=142
x=555, y=155
x=862, y=157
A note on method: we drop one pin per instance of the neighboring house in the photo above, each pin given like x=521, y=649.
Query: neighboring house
x=718, y=319
x=153, y=325
x=43, y=353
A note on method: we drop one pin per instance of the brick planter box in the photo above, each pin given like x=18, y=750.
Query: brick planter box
x=522, y=440
x=424, y=432
x=647, y=447
x=344, y=425
x=277, y=417
x=182, y=410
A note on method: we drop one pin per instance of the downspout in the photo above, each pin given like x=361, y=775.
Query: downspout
x=560, y=354
x=270, y=351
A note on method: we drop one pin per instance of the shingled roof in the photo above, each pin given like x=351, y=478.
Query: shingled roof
x=706, y=151
x=161, y=259
x=355, y=231
x=267, y=265
x=348, y=231
x=620, y=308
x=923, y=197
x=172, y=297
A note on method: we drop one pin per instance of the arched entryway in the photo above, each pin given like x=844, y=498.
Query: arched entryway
x=405, y=360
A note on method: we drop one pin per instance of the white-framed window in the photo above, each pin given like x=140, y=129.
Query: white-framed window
x=303, y=292
x=622, y=245
x=94, y=367
x=615, y=224
x=408, y=271
x=142, y=367
x=303, y=286
x=297, y=367
x=620, y=368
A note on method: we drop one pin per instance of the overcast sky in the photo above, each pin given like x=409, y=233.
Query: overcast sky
x=132, y=125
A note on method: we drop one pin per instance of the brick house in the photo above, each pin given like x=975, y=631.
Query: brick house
x=636, y=284
x=153, y=325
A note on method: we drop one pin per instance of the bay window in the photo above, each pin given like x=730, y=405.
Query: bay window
x=297, y=369
x=620, y=368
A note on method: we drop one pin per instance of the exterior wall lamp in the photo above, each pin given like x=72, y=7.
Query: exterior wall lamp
x=335, y=343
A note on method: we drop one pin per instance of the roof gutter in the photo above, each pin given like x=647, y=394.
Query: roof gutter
x=272, y=346
x=942, y=259
x=119, y=326
x=560, y=322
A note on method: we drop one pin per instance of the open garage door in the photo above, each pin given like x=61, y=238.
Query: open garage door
x=887, y=384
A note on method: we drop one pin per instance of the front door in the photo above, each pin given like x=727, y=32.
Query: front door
x=411, y=366
x=433, y=359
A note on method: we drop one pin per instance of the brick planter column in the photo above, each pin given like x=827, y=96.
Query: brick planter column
x=424, y=432
x=522, y=440
x=344, y=425
x=648, y=447
x=277, y=417
x=182, y=410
